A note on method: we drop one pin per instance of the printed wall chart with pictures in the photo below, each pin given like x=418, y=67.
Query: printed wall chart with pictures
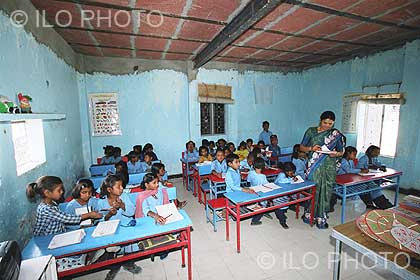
x=105, y=118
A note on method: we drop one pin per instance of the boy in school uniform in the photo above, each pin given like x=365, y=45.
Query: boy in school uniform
x=255, y=178
x=133, y=164
x=265, y=134
x=146, y=165
x=233, y=176
x=248, y=162
x=218, y=166
x=274, y=146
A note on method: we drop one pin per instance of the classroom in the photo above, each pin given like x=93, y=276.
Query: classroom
x=198, y=139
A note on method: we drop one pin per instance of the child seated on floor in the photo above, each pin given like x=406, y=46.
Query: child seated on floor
x=204, y=154
x=242, y=151
x=83, y=195
x=255, y=178
x=370, y=161
x=218, y=166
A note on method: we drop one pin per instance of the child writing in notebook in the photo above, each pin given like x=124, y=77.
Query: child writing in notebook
x=49, y=218
x=204, y=154
x=116, y=205
x=370, y=161
x=133, y=164
x=191, y=153
x=218, y=166
x=158, y=169
x=109, y=155
x=288, y=175
x=255, y=178
x=299, y=159
x=83, y=195
x=242, y=151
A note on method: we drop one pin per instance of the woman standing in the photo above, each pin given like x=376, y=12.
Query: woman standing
x=324, y=144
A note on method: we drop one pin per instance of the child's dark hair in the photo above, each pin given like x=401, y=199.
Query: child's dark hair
x=41, y=185
x=137, y=147
x=156, y=167
x=249, y=140
x=296, y=151
x=203, y=148
x=251, y=156
x=131, y=155
x=147, y=147
x=205, y=142
x=289, y=166
x=231, y=157
x=189, y=142
x=220, y=150
x=242, y=144
x=108, y=150
x=259, y=163
x=226, y=149
x=117, y=151
x=82, y=184
x=327, y=115
x=256, y=151
x=148, y=178
x=221, y=140
x=265, y=123
x=261, y=142
x=123, y=173
x=273, y=136
x=149, y=154
x=348, y=151
x=211, y=143
x=109, y=182
x=370, y=150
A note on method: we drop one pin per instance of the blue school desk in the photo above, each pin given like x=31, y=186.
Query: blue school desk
x=187, y=171
x=134, y=179
x=349, y=185
x=288, y=194
x=100, y=170
x=201, y=172
x=145, y=229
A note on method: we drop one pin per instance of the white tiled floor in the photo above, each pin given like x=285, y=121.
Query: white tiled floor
x=267, y=251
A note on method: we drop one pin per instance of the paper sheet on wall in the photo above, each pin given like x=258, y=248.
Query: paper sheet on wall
x=349, y=116
x=104, y=114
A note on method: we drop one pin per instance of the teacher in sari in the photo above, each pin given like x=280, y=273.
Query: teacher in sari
x=324, y=143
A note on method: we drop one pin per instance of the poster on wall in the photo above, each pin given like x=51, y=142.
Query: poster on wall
x=350, y=113
x=104, y=114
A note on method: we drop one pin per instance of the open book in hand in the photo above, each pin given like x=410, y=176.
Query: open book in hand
x=84, y=210
x=169, y=212
x=325, y=150
x=66, y=239
x=299, y=180
x=106, y=228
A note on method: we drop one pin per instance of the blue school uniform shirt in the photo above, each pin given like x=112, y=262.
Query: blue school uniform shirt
x=347, y=166
x=265, y=136
x=150, y=203
x=219, y=167
x=154, y=156
x=283, y=179
x=137, y=167
x=74, y=204
x=50, y=220
x=275, y=149
x=108, y=160
x=144, y=167
x=191, y=157
x=124, y=216
x=300, y=166
x=244, y=165
x=364, y=162
x=233, y=180
x=256, y=179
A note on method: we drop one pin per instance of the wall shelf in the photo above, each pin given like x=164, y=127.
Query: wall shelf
x=35, y=116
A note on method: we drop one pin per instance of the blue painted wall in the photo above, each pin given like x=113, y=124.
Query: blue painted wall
x=25, y=66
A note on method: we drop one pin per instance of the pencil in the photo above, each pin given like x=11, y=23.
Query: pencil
x=104, y=209
x=168, y=216
x=267, y=187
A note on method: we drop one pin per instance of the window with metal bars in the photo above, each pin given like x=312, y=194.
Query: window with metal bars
x=212, y=118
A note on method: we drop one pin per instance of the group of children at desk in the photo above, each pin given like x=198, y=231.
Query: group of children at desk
x=112, y=154
x=113, y=204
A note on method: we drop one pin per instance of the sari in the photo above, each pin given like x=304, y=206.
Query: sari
x=321, y=167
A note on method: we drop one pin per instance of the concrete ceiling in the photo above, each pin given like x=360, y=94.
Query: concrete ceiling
x=295, y=35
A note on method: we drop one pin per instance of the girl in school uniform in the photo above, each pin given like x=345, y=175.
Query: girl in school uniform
x=109, y=155
x=218, y=166
x=117, y=154
x=133, y=164
x=191, y=153
x=204, y=154
x=83, y=197
x=146, y=165
x=255, y=178
x=242, y=151
x=49, y=218
x=116, y=205
x=370, y=161
x=299, y=159
x=148, y=148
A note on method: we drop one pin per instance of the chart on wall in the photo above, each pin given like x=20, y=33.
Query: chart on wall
x=350, y=113
x=104, y=114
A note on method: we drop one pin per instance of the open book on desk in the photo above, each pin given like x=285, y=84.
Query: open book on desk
x=106, y=228
x=169, y=212
x=299, y=180
x=66, y=239
x=265, y=187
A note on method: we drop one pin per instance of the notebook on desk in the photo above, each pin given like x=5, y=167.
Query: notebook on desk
x=299, y=180
x=169, y=212
x=265, y=187
x=106, y=228
x=66, y=239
